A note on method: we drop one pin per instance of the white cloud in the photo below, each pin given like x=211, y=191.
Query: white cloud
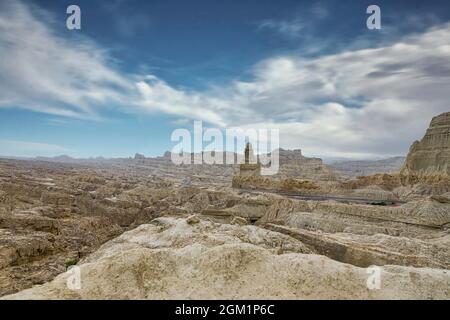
x=159, y=96
x=290, y=29
x=356, y=103
x=301, y=27
x=47, y=73
x=359, y=103
x=181, y=122
x=29, y=149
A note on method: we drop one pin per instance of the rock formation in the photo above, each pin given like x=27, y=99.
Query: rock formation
x=172, y=259
x=250, y=167
x=139, y=156
x=357, y=168
x=431, y=155
x=293, y=164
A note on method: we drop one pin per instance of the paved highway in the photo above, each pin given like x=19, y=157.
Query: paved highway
x=329, y=197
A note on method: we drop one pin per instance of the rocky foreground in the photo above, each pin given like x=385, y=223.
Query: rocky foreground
x=137, y=230
x=192, y=259
x=147, y=229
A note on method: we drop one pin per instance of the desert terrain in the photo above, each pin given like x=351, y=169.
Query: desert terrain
x=144, y=228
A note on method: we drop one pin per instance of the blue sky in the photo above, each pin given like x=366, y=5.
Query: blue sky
x=140, y=69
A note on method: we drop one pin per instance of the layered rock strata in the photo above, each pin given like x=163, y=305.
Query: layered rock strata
x=431, y=155
x=174, y=259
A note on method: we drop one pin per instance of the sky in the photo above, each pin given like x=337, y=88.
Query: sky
x=138, y=70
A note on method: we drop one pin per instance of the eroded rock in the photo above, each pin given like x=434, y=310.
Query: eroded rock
x=170, y=259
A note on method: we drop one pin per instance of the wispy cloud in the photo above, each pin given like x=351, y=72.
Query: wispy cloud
x=57, y=121
x=300, y=26
x=126, y=22
x=43, y=72
x=290, y=29
x=360, y=102
x=29, y=148
x=357, y=103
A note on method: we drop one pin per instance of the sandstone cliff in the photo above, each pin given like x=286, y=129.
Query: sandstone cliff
x=431, y=155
